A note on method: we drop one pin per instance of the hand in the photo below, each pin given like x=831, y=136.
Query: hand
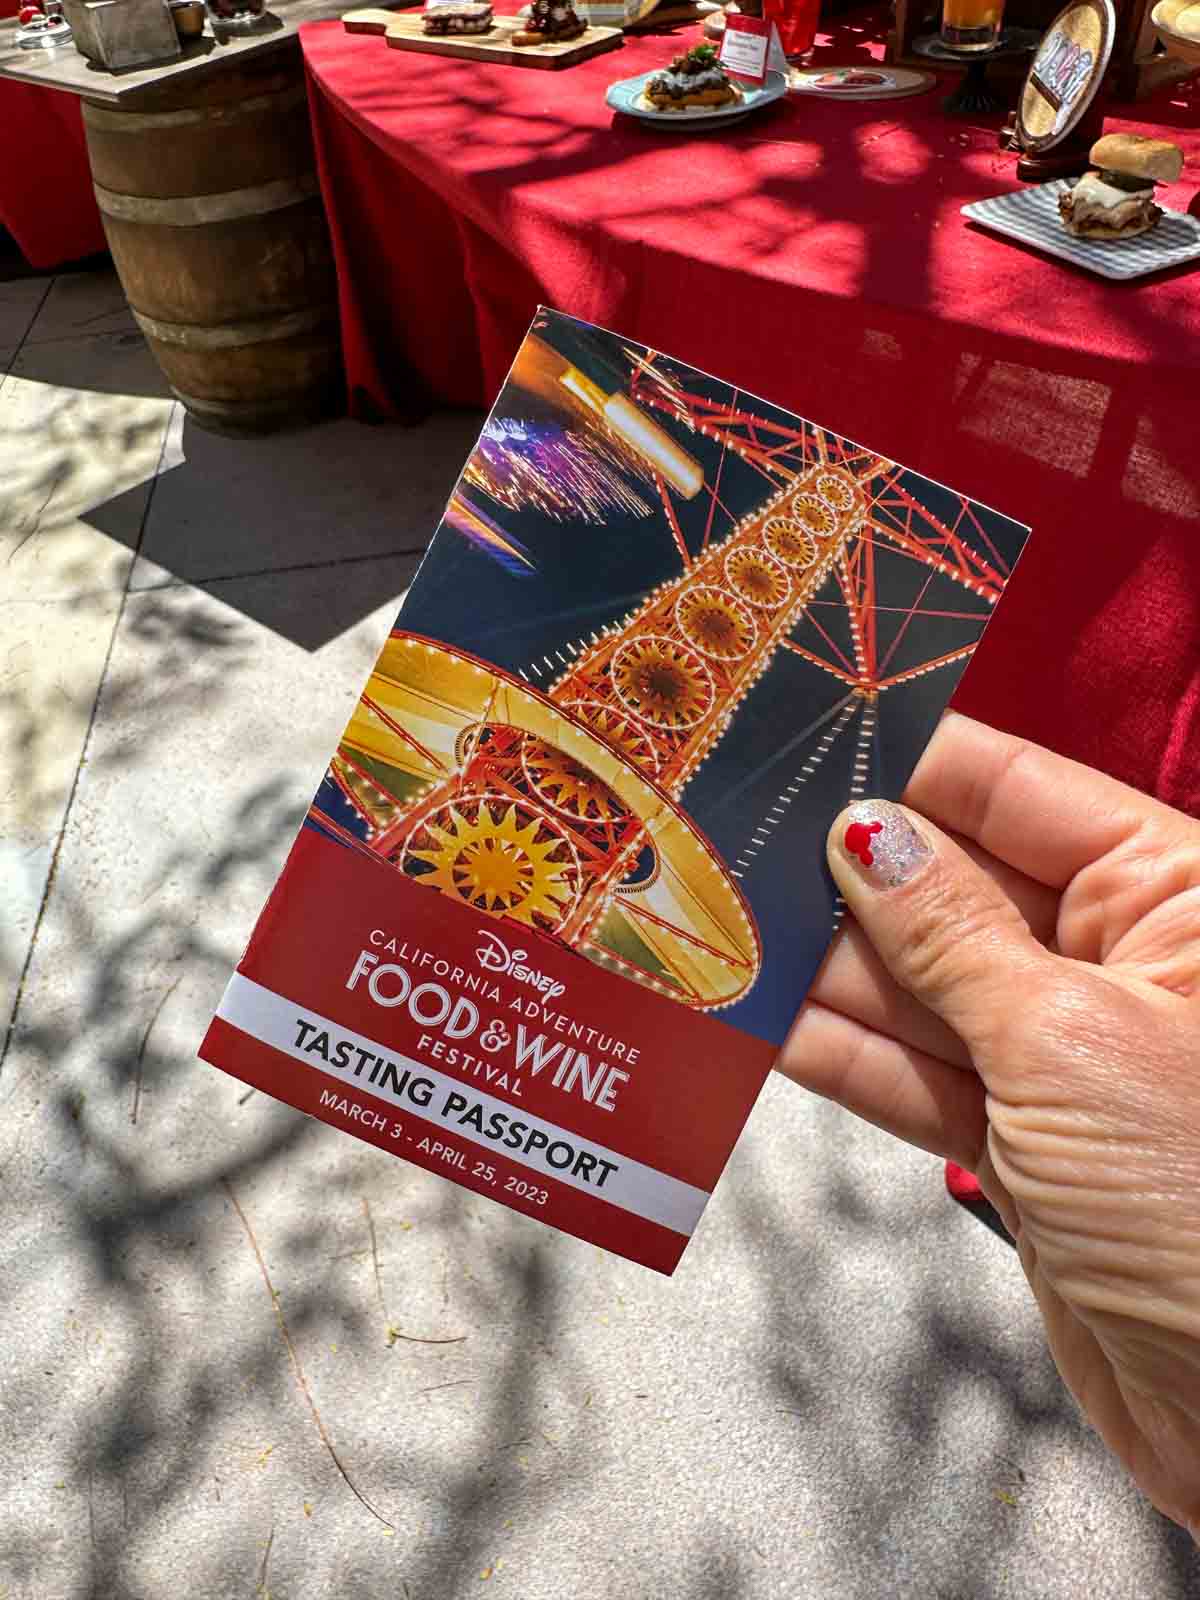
x=1026, y=1002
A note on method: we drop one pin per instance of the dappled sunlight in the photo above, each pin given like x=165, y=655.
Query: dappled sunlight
x=263, y=1354
x=1047, y=416
x=848, y=202
x=895, y=156
x=1161, y=470
x=62, y=453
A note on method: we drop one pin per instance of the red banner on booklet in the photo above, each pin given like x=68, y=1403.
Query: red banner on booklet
x=486, y=1054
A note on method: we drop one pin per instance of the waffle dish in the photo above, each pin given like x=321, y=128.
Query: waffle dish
x=693, y=82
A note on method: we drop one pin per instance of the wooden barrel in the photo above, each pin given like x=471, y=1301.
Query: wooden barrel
x=210, y=201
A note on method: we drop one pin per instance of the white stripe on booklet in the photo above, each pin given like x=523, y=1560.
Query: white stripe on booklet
x=434, y=1097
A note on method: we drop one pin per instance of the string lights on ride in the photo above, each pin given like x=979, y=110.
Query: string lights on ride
x=527, y=826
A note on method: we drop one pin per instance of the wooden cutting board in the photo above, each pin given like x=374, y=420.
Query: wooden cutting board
x=406, y=33
x=370, y=19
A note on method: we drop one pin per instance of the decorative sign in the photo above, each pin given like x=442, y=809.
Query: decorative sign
x=1066, y=74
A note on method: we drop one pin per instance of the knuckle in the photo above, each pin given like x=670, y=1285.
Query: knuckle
x=951, y=944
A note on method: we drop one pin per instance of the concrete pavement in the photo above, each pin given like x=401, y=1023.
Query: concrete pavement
x=245, y=1355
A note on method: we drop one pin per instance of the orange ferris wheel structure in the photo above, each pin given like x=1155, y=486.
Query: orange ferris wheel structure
x=551, y=797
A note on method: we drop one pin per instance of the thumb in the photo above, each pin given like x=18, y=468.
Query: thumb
x=943, y=929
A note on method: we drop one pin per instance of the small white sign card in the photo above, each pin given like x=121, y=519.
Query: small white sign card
x=750, y=48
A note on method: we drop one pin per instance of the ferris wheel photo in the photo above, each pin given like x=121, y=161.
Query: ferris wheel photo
x=663, y=634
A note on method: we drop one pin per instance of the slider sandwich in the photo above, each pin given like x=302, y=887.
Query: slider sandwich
x=1115, y=200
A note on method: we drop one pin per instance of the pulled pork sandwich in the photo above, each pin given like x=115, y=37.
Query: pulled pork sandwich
x=1115, y=200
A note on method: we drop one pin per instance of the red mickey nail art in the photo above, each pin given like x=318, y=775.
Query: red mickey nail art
x=883, y=844
x=858, y=840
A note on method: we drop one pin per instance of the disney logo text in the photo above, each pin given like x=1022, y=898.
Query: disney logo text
x=495, y=956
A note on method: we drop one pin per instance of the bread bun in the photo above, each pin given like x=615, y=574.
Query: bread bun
x=1156, y=160
x=1186, y=21
x=1166, y=11
x=713, y=25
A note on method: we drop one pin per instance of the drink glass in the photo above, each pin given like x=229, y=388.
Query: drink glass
x=971, y=24
x=796, y=21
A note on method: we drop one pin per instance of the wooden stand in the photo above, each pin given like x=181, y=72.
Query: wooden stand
x=1068, y=160
x=974, y=96
x=408, y=33
x=496, y=46
x=1140, y=62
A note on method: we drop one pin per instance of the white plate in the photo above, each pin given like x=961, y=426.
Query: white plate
x=891, y=83
x=626, y=96
x=1031, y=217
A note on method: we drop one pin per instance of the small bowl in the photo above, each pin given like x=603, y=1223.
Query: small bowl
x=1179, y=45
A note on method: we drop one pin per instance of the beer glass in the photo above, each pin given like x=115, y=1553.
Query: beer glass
x=971, y=24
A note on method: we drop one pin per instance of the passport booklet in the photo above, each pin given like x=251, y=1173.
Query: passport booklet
x=562, y=888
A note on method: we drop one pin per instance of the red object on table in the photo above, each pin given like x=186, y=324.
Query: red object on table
x=796, y=21
x=814, y=255
x=46, y=197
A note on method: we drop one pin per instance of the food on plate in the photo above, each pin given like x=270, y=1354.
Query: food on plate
x=694, y=81
x=851, y=78
x=550, y=22
x=455, y=17
x=1115, y=199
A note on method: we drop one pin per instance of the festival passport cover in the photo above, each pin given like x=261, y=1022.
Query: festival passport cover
x=563, y=886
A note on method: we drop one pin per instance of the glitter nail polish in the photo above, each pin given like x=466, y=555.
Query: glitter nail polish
x=882, y=844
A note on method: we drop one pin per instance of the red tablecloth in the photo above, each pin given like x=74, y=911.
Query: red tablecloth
x=46, y=198
x=814, y=255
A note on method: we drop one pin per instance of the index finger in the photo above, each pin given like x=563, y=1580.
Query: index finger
x=1044, y=815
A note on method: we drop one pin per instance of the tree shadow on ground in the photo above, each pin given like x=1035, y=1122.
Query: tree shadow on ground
x=204, y=1386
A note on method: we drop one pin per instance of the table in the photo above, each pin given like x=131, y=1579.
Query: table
x=814, y=255
x=68, y=70
x=46, y=199
x=203, y=170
